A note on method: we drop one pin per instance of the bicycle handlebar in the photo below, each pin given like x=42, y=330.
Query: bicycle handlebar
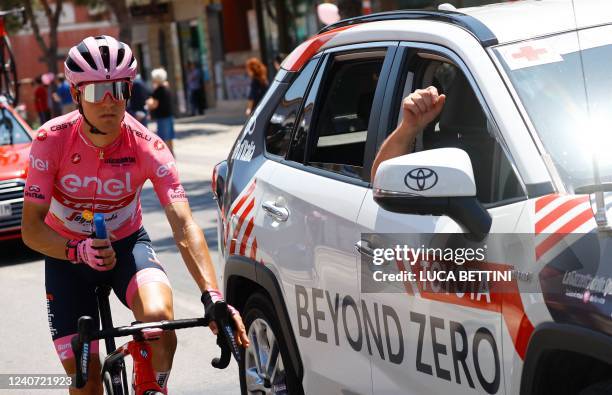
x=86, y=334
x=225, y=336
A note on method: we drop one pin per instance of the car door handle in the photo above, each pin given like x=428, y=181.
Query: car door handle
x=280, y=214
x=363, y=247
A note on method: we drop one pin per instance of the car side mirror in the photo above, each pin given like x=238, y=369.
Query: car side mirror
x=433, y=182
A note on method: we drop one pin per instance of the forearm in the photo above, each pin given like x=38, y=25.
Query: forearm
x=40, y=237
x=194, y=250
x=399, y=142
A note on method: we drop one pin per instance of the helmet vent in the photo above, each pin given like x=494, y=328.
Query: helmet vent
x=87, y=56
x=120, y=55
x=72, y=66
x=105, y=56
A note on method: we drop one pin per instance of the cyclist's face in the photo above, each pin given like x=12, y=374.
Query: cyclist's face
x=106, y=114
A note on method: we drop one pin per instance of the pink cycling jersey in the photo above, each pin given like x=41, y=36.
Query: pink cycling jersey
x=75, y=177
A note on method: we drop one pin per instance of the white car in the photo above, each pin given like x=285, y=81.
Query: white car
x=522, y=147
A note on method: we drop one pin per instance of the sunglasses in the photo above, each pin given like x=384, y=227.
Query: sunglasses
x=95, y=92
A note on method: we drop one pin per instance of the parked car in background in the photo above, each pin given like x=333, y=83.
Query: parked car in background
x=15, y=142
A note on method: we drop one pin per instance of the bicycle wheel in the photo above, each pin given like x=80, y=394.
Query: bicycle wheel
x=115, y=382
x=8, y=72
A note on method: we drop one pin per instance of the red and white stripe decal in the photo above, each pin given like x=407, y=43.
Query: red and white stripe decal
x=243, y=209
x=306, y=50
x=555, y=217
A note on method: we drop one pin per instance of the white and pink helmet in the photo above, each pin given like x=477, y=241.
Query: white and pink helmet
x=100, y=58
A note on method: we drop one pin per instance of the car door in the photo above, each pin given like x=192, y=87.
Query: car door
x=309, y=210
x=443, y=342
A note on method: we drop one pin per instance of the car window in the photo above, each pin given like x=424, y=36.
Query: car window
x=343, y=113
x=463, y=124
x=11, y=131
x=278, y=133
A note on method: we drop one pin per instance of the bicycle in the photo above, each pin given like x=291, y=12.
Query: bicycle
x=113, y=372
x=9, y=86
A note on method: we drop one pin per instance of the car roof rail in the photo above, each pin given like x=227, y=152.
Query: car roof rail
x=467, y=22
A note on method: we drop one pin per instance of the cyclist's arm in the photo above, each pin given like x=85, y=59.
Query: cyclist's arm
x=191, y=243
x=39, y=236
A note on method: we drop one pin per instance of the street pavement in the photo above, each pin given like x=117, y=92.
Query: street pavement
x=24, y=334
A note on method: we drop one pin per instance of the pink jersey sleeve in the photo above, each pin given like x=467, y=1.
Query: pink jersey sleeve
x=42, y=168
x=164, y=175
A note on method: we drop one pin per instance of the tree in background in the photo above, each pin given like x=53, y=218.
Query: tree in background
x=120, y=9
x=52, y=12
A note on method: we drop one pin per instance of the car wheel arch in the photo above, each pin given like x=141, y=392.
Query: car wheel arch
x=242, y=274
x=553, y=337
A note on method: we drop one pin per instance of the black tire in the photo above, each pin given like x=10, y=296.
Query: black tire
x=259, y=307
x=9, y=84
x=603, y=388
x=108, y=384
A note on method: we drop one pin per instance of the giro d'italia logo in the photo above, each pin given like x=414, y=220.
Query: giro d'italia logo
x=421, y=179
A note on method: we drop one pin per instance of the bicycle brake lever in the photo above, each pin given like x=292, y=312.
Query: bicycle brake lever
x=80, y=348
x=225, y=336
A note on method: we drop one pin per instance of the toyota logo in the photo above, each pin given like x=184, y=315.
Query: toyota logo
x=421, y=179
x=34, y=188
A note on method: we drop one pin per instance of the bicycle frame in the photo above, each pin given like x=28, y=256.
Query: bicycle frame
x=139, y=348
x=144, y=375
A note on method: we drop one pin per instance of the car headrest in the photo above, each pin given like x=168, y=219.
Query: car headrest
x=462, y=113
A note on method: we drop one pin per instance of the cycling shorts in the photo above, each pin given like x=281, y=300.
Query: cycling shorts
x=71, y=287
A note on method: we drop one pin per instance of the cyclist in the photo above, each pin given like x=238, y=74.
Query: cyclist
x=95, y=160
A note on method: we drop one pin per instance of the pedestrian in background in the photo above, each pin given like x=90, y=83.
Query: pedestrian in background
x=55, y=101
x=259, y=83
x=194, y=88
x=136, y=105
x=41, y=101
x=160, y=106
x=278, y=60
x=63, y=90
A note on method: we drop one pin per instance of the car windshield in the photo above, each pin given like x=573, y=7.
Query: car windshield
x=565, y=84
x=11, y=131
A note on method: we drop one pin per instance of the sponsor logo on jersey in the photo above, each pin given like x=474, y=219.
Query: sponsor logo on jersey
x=111, y=186
x=34, y=192
x=140, y=134
x=82, y=218
x=63, y=126
x=39, y=164
x=76, y=158
x=164, y=170
x=120, y=161
x=81, y=204
x=159, y=145
x=42, y=136
x=178, y=193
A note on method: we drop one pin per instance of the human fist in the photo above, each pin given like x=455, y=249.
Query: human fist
x=421, y=107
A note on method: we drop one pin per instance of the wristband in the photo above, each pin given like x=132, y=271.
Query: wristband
x=71, y=251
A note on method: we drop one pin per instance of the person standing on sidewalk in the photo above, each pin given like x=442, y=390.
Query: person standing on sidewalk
x=55, y=101
x=136, y=106
x=63, y=90
x=41, y=101
x=194, y=89
x=259, y=83
x=160, y=106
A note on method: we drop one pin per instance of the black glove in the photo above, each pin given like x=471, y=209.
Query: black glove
x=216, y=309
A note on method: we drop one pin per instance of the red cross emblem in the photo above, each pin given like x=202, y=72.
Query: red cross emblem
x=529, y=53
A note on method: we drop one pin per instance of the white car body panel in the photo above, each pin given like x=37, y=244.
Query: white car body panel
x=314, y=248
